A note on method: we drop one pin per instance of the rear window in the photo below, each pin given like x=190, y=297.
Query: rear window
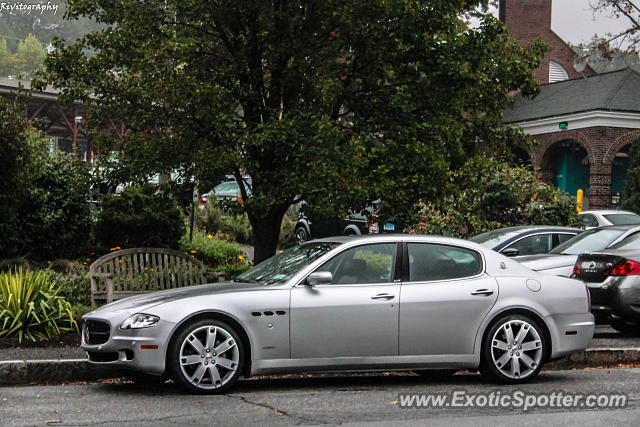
x=592, y=240
x=431, y=261
x=494, y=238
x=622, y=219
x=630, y=242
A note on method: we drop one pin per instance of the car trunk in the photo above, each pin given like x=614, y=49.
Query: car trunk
x=595, y=268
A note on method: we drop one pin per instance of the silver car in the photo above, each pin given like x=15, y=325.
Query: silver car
x=362, y=303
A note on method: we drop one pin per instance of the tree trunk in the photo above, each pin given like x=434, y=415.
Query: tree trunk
x=266, y=232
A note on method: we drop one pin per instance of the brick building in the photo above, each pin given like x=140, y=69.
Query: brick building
x=584, y=122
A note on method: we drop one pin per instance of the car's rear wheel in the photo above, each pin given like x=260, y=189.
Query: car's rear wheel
x=301, y=235
x=625, y=326
x=513, y=351
x=206, y=357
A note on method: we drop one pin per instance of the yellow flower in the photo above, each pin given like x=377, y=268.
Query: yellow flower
x=193, y=252
x=210, y=236
x=241, y=257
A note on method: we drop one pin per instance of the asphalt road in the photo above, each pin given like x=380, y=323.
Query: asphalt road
x=344, y=399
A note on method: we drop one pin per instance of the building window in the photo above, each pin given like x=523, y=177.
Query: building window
x=557, y=73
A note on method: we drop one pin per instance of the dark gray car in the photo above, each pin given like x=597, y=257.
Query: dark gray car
x=613, y=278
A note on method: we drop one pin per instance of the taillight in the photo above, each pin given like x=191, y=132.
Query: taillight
x=588, y=298
x=626, y=267
x=576, y=270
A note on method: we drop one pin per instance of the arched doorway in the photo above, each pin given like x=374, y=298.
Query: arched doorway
x=619, y=174
x=566, y=165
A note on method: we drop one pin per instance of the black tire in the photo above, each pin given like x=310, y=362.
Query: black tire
x=516, y=357
x=227, y=374
x=625, y=327
x=301, y=235
x=436, y=374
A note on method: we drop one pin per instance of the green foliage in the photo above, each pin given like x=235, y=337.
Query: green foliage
x=486, y=194
x=139, y=216
x=57, y=219
x=29, y=57
x=39, y=193
x=213, y=252
x=31, y=307
x=631, y=195
x=5, y=56
x=75, y=287
x=324, y=102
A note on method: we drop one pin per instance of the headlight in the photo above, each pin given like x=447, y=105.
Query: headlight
x=139, y=320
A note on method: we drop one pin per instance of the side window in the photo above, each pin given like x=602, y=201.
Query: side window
x=561, y=238
x=589, y=221
x=432, y=261
x=363, y=264
x=532, y=245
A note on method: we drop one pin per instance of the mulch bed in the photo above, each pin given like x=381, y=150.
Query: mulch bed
x=66, y=339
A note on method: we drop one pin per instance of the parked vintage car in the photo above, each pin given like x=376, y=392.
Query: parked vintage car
x=355, y=224
x=525, y=239
x=334, y=305
x=560, y=261
x=613, y=278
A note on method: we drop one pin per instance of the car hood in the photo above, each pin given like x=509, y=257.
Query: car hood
x=140, y=303
x=546, y=261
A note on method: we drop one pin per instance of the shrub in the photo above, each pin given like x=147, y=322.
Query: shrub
x=211, y=251
x=31, y=307
x=58, y=220
x=75, y=287
x=140, y=216
x=486, y=194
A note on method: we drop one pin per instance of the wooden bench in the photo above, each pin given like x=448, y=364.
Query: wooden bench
x=136, y=271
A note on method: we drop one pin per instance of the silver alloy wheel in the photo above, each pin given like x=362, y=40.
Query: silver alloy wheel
x=209, y=357
x=516, y=345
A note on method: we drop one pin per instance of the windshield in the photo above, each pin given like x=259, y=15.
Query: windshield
x=630, y=242
x=592, y=240
x=622, y=219
x=491, y=239
x=281, y=267
x=227, y=187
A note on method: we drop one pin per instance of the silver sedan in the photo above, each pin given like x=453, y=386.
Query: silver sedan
x=367, y=303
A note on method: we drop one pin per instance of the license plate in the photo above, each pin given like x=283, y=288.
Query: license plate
x=374, y=228
x=389, y=227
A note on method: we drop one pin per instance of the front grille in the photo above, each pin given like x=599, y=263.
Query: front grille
x=96, y=332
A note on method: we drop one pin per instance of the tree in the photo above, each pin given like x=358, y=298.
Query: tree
x=627, y=9
x=5, y=56
x=631, y=194
x=336, y=103
x=30, y=56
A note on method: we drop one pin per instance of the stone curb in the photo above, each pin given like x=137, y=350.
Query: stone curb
x=18, y=372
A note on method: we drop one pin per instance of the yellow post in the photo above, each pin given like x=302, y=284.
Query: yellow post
x=580, y=196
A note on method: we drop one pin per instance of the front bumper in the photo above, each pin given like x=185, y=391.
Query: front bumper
x=141, y=349
x=570, y=333
x=618, y=296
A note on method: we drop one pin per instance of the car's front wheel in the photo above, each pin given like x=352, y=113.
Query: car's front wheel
x=206, y=357
x=513, y=351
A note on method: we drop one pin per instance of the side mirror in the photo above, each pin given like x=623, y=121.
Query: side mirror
x=319, y=278
x=510, y=252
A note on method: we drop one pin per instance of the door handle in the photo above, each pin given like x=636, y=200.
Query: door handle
x=485, y=292
x=386, y=297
